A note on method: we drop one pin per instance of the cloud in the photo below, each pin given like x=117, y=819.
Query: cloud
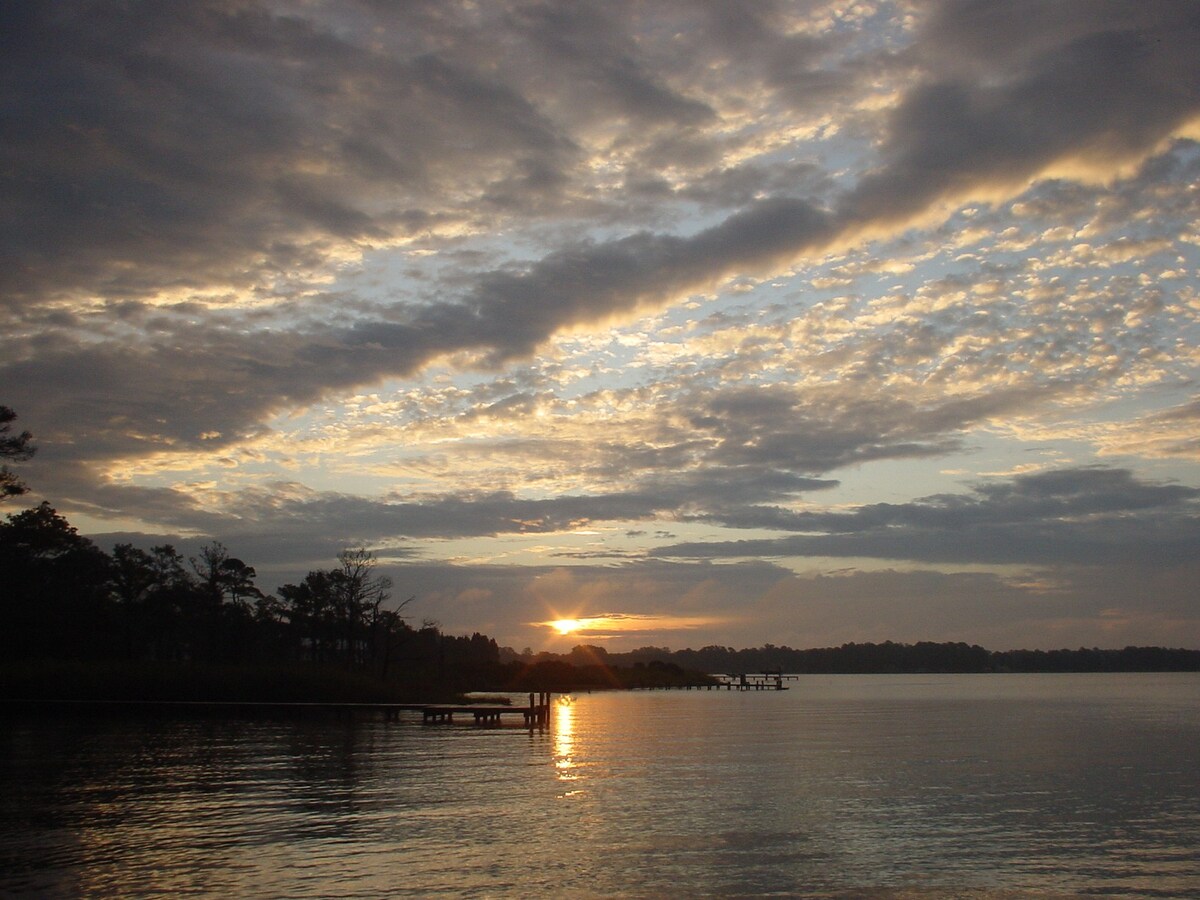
x=1084, y=516
x=215, y=146
x=289, y=512
x=596, y=48
x=215, y=140
x=589, y=284
x=246, y=376
x=1169, y=433
x=1012, y=89
x=830, y=427
x=172, y=146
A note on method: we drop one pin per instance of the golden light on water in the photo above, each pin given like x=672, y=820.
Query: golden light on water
x=563, y=723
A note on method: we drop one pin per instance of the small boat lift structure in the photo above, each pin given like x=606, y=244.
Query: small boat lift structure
x=756, y=681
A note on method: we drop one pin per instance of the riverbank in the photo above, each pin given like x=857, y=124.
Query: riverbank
x=105, y=681
x=56, y=681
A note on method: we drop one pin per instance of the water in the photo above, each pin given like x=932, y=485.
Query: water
x=844, y=786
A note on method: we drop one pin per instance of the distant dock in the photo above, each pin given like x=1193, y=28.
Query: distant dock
x=748, y=681
x=760, y=681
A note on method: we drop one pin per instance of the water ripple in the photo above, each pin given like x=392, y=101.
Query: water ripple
x=984, y=788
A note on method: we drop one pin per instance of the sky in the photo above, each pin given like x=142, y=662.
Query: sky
x=695, y=322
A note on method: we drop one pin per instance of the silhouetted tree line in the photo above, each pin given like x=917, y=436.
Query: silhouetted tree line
x=65, y=599
x=588, y=667
x=924, y=656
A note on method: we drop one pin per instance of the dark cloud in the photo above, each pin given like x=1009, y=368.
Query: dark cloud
x=1013, y=87
x=218, y=142
x=826, y=428
x=596, y=48
x=1088, y=516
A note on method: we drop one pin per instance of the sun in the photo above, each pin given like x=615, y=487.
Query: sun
x=566, y=626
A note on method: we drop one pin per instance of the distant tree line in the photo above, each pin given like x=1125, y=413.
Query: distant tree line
x=924, y=656
x=588, y=667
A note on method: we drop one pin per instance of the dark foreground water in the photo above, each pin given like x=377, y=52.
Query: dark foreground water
x=884, y=786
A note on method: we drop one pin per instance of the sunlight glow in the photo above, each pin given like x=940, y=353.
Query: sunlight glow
x=566, y=626
x=607, y=625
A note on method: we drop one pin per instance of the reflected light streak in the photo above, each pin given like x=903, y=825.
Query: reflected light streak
x=563, y=724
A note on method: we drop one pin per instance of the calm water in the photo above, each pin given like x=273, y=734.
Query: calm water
x=885, y=786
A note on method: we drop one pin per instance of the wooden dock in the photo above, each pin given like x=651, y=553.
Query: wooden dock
x=535, y=715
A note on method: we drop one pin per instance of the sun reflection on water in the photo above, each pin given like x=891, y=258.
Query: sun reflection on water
x=563, y=727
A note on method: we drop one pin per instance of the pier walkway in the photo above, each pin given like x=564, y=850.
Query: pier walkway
x=535, y=715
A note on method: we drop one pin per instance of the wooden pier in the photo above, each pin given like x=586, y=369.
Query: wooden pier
x=535, y=715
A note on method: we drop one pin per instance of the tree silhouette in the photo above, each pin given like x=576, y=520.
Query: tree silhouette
x=228, y=626
x=155, y=596
x=310, y=606
x=360, y=596
x=339, y=614
x=15, y=447
x=55, y=600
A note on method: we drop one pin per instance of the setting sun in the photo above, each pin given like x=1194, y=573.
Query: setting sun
x=613, y=624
